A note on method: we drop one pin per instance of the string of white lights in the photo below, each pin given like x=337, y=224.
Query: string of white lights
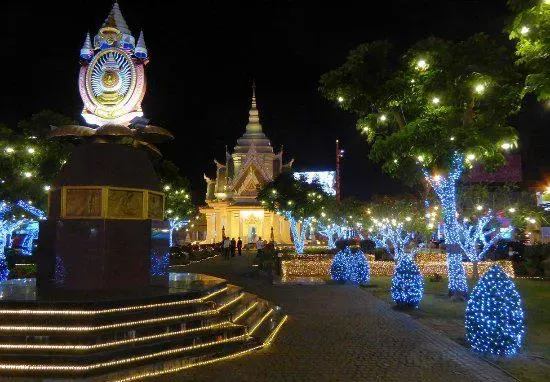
x=225, y=324
x=112, y=310
x=43, y=367
x=208, y=312
x=259, y=323
x=169, y=370
x=245, y=311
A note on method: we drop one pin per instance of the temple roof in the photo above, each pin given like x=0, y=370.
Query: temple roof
x=115, y=20
x=253, y=135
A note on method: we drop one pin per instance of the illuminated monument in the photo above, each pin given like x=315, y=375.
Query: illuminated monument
x=112, y=76
x=106, y=206
x=232, y=206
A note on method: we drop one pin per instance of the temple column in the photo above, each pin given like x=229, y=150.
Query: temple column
x=266, y=225
x=210, y=226
x=235, y=224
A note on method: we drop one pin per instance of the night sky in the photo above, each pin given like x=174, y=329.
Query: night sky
x=204, y=55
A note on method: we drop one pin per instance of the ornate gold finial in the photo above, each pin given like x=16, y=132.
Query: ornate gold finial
x=253, y=93
x=253, y=125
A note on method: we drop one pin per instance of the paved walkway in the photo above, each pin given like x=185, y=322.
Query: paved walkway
x=338, y=333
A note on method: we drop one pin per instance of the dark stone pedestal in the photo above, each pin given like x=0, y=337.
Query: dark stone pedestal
x=115, y=250
x=99, y=254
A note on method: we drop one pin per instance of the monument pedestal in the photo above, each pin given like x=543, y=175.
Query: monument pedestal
x=101, y=254
x=104, y=230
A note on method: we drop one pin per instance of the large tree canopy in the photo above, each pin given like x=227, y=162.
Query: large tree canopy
x=178, y=203
x=438, y=98
x=517, y=205
x=531, y=28
x=296, y=196
x=30, y=161
x=407, y=209
x=297, y=200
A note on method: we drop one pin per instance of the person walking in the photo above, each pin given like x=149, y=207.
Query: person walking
x=240, y=246
x=226, y=248
x=233, y=246
x=259, y=246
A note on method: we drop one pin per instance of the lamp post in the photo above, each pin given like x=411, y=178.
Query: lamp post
x=339, y=154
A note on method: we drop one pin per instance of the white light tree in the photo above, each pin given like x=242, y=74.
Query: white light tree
x=397, y=224
x=477, y=238
x=333, y=232
x=7, y=226
x=340, y=221
x=175, y=224
x=395, y=239
x=297, y=200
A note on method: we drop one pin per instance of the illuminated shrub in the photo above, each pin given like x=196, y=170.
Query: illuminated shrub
x=407, y=285
x=350, y=266
x=494, y=316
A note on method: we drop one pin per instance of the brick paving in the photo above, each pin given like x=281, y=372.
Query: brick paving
x=338, y=333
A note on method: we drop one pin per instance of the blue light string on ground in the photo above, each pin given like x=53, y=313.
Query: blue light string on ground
x=495, y=320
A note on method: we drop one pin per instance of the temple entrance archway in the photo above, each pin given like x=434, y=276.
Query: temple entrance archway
x=252, y=226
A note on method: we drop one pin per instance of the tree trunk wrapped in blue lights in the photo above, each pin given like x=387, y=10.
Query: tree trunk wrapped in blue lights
x=445, y=189
x=349, y=266
x=407, y=285
x=298, y=235
x=494, y=316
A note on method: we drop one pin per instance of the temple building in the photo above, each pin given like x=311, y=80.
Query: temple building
x=232, y=208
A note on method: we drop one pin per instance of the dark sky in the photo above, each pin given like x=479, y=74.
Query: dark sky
x=204, y=55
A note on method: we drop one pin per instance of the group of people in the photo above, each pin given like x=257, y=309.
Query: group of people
x=230, y=247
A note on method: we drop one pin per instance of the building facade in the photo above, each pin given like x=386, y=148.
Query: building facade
x=232, y=208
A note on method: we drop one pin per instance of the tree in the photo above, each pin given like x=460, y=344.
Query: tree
x=476, y=239
x=398, y=225
x=297, y=200
x=530, y=29
x=507, y=200
x=7, y=226
x=30, y=161
x=433, y=110
x=179, y=209
x=494, y=316
x=340, y=220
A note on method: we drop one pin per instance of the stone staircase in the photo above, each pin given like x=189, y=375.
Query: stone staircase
x=119, y=341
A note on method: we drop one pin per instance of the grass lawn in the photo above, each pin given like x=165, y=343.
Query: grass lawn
x=445, y=316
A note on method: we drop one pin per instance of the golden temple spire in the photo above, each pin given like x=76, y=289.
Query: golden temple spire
x=253, y=125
